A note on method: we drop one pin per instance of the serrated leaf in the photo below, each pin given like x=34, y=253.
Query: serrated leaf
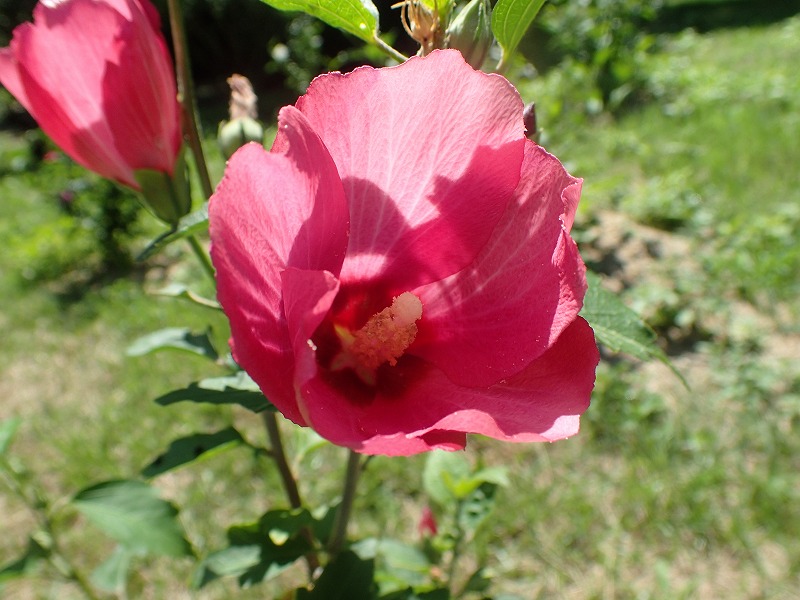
x=358, y=17
x=235, y=389
x=192, y=224
x=188, y=449
x=510, y=20
x=131, y=513
x=346, y=577
x=24, y=564
x=176, y=338
x=178, y=290
x=228, y=562
x=618, y=327
x=8, y=427
x=112, y=574
x=400, y=564
x=443, y=470
x=259, y=551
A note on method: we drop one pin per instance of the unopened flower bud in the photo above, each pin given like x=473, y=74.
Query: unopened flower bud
x=471, y=32
x=427, y=525
x=243, y=126
x=232, y=135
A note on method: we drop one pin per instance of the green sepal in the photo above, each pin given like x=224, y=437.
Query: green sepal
x=234, y=134
x=168, y=197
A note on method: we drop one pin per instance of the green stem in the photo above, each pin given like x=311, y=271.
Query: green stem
x=186, y=93
x=278, y=454
x=459, y=539
x=502, y=65
x=202, y=257
x=398, y=56
x=346, y=507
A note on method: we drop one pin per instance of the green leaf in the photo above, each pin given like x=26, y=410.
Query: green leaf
x=228, y=562
x=479, y=581
x=400, y=565
x=178, y=290
x=510, y=21
x=177, y=338
x=474, y=510
x=618, y=327
x=112, y=574
x=346, y=577
x=8, y=427
x=235, y=389
x=131, y=513
x=442, y=474
x=259, y=551
x=466, y=485
x=192, y=224
x=25, y=564
x=358, y=17
x=188, y=449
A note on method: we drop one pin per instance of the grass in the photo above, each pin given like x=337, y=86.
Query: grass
x=666, y=493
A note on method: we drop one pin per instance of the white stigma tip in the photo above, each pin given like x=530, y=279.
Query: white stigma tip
x=406, y=308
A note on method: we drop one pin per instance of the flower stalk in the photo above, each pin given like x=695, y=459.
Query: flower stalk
x=278, y=454
x=202, y=257
x=186, y=94
x=352, y=474
x=387, y=49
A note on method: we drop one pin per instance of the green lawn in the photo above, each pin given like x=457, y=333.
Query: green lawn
x=666, y=493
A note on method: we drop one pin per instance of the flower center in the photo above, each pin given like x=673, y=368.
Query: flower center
x=384, y=338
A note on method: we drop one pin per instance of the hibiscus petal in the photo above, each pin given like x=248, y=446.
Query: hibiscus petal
x=10, y=78
x=417, y=408
x=307, y=297
x=543, y=403
x=376, y=424
x=272, y=211
x=429, y=153
x=140, y=97
x=66, y=49
x=492, y=319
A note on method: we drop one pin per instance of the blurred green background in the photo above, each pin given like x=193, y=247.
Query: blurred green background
x=682, y=117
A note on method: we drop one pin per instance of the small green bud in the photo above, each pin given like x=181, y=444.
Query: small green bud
x=243, y=125
x=234, y=134
x=471, y=32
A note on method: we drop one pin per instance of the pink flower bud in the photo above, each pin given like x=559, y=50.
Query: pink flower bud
x=97, y=77
x=427, y=523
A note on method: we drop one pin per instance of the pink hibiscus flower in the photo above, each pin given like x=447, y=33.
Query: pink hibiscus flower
x=398, y=271
x=97, y=77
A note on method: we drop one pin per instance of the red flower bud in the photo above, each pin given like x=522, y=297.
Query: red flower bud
x=97, y=77
x=427, y=523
